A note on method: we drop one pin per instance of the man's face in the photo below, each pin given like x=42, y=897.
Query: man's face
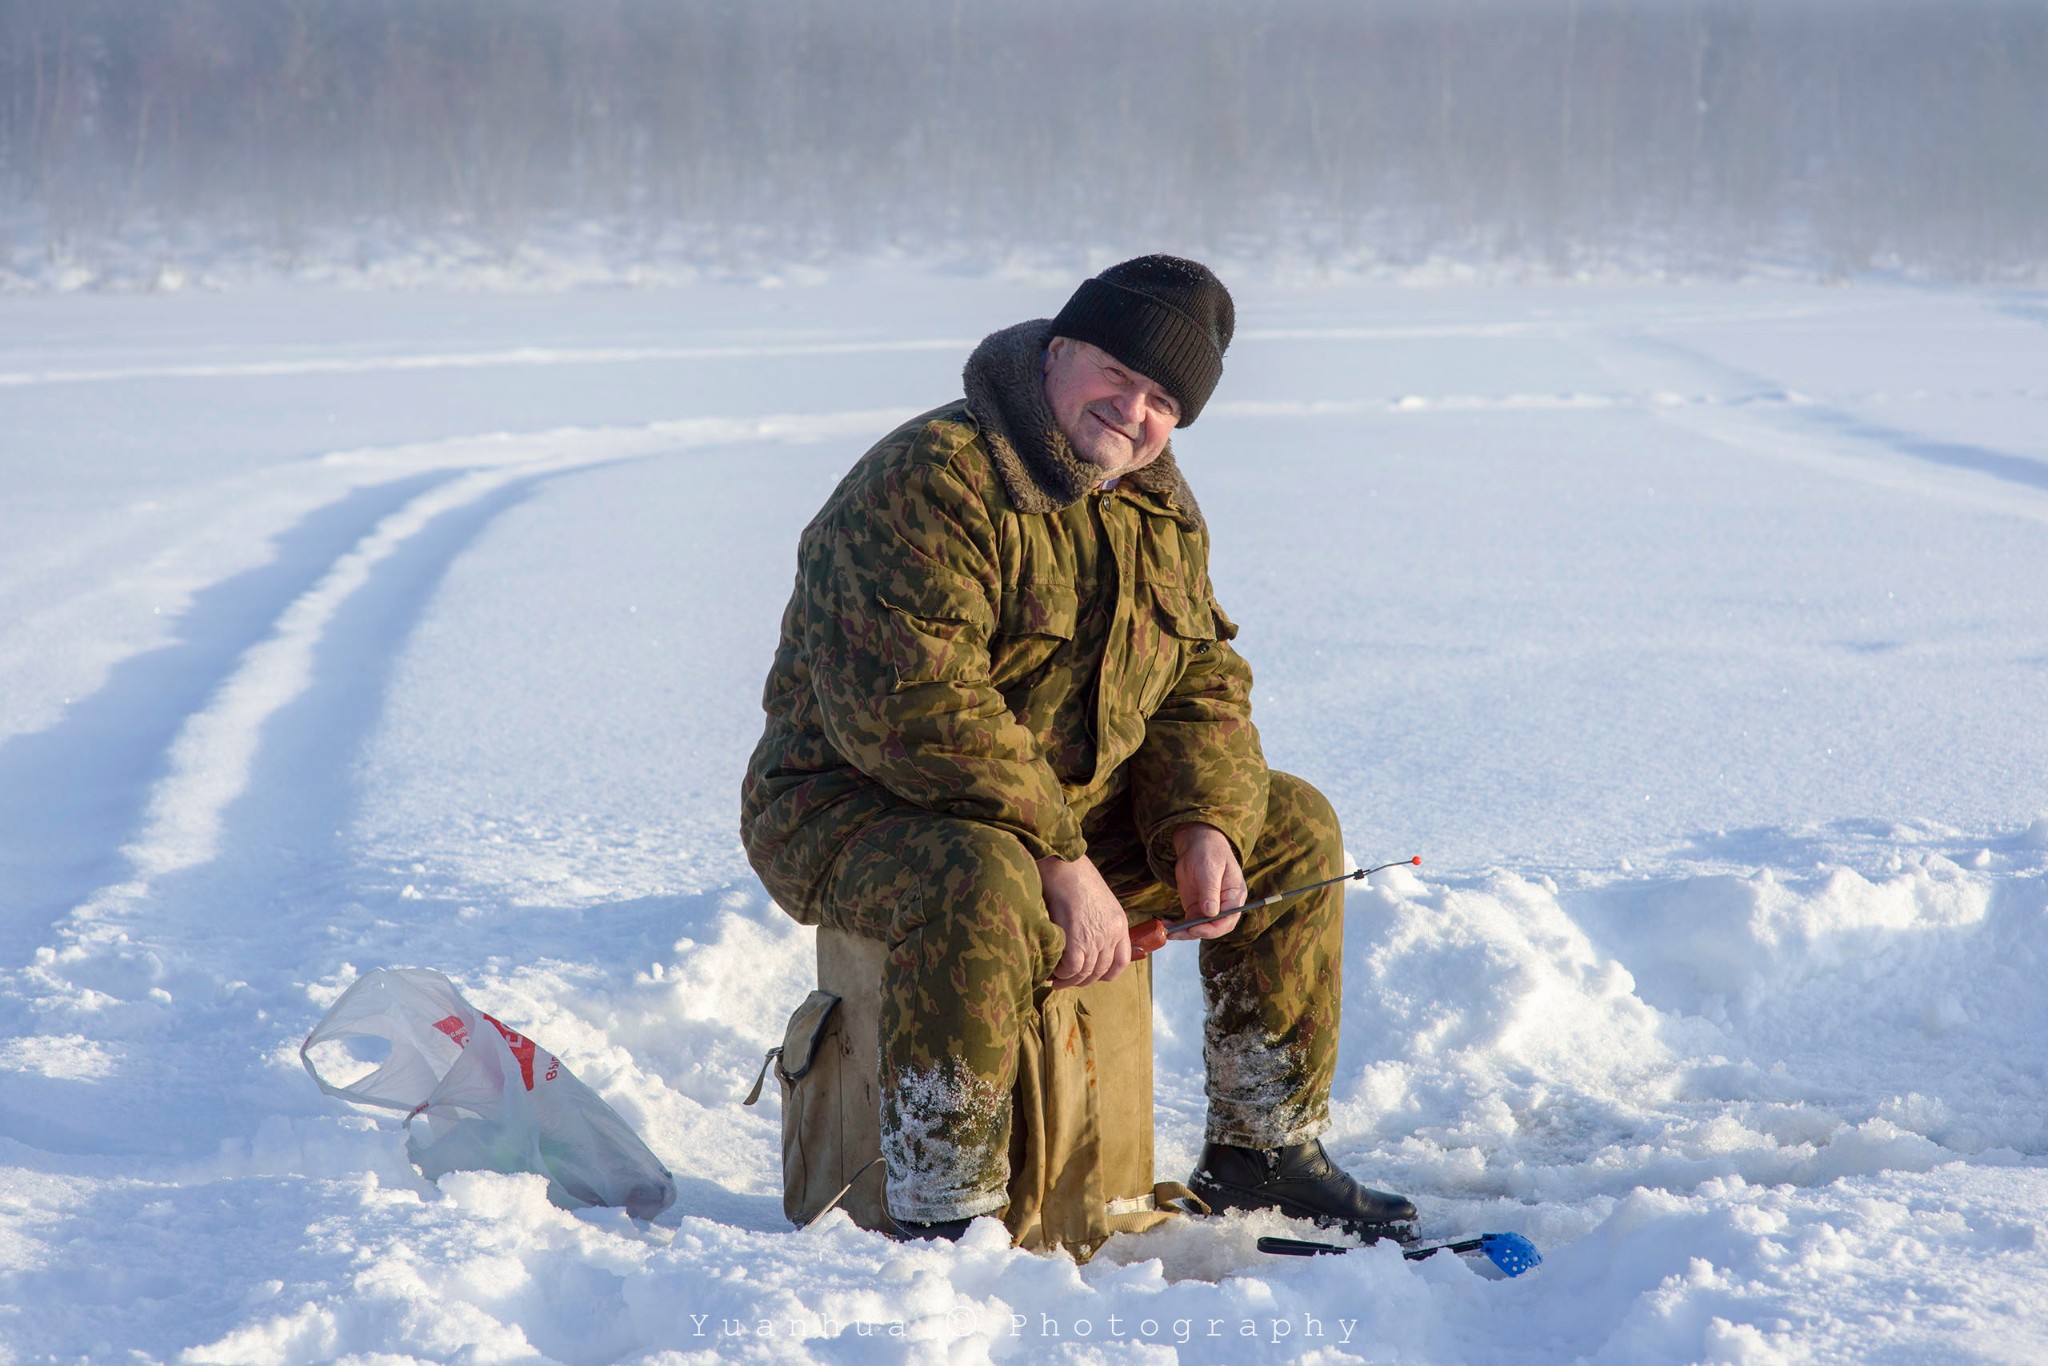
x=1115, y=418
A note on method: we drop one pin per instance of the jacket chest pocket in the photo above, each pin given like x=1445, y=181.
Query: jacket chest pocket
x=1180, y=630
x=1035, y=621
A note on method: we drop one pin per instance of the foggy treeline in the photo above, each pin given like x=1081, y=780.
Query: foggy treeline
x=1830, y=133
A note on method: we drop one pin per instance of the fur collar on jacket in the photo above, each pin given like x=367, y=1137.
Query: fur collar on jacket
x=1005, y=379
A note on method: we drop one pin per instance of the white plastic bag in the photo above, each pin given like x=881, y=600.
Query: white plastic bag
x=493, y=1100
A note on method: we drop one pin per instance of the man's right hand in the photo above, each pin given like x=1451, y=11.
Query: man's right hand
x=1098, y=932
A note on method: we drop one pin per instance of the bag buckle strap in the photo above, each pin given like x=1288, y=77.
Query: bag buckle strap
x=762, y=1076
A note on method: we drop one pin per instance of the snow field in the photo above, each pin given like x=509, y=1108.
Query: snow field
x=1694, y=638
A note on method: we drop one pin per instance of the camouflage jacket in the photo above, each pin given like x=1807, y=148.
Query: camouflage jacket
x=976, y=631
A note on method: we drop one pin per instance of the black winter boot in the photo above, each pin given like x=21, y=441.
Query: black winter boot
x=1300, y=1181
x=948, y=1229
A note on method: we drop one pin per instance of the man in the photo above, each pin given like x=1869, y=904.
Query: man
x=1005, y=720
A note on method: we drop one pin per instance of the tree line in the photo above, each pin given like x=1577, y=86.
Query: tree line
x=1839, y=133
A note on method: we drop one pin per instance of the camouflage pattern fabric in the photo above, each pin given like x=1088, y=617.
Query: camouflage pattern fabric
x=970, y=947
x=949, y=647
x=985, y=661
x=1273, y=987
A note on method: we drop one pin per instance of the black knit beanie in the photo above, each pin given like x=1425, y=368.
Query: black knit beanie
x=1168, y=318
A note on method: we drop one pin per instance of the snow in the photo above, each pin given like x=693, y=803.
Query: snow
x=1694, y=636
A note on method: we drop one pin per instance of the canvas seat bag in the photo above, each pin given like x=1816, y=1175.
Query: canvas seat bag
x=1081, y=1129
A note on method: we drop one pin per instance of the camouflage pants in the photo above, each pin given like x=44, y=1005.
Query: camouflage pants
x=970, y=944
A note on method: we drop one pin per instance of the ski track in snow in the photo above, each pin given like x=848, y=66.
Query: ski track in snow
x=1662, y=1078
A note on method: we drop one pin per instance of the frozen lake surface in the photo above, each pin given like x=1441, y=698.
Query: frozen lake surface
x=1695, y=636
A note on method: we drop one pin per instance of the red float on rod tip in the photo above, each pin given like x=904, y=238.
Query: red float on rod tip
x=1149, y=936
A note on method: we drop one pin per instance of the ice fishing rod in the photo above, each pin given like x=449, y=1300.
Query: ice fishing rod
x=1149, y=936
x=1510, y=1254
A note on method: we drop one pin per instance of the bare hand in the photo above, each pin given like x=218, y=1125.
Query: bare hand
x=1098, y=932
x=1208, y=879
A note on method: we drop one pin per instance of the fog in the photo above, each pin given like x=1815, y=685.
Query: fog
x=1695, y=135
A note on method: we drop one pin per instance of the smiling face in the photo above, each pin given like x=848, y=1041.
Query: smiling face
x=1116, y=419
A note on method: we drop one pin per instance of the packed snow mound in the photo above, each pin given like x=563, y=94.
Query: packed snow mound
x=1692, y=1186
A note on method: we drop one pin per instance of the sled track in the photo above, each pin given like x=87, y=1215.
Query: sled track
x=222, y=763
x=73, y=795
x=1761, y=414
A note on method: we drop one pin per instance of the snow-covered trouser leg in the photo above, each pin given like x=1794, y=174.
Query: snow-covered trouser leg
x=1275, y=984
x=961, y=908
